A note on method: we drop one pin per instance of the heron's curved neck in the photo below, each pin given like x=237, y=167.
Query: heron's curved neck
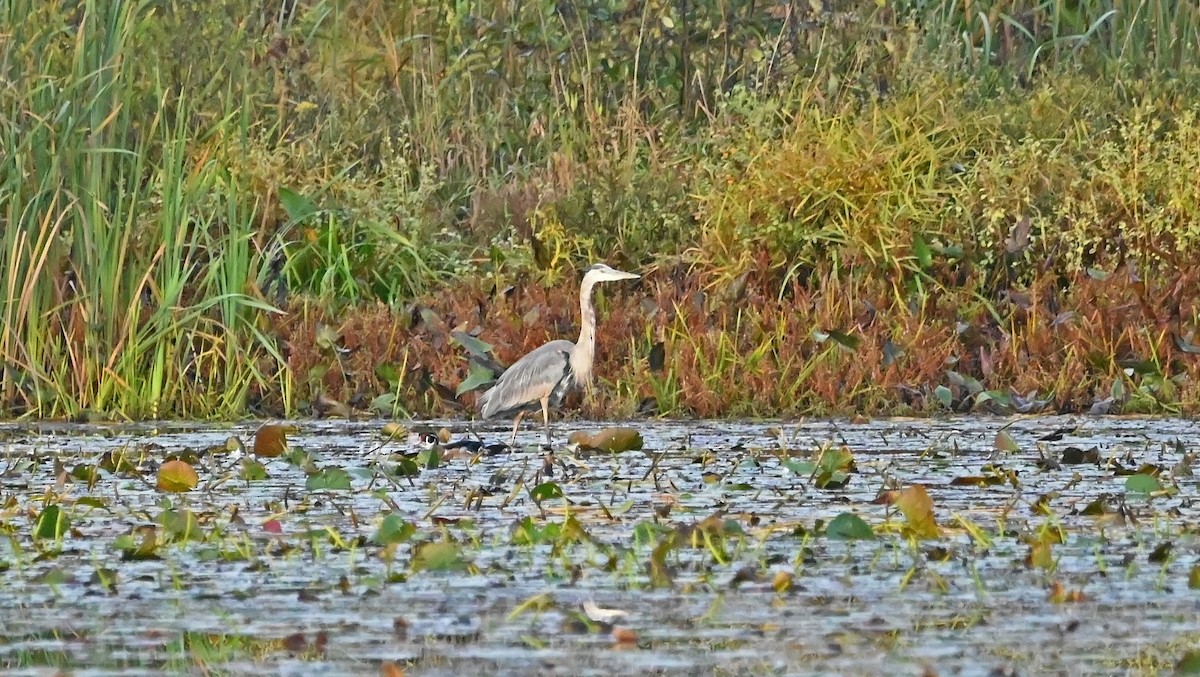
x=585, y=347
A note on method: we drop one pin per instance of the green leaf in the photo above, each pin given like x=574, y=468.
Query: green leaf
x=921, y=249
x=477, y=377
x=437, y=557
x=296, y=205
x=406, y=467
x=847, y=341
x=944, y=396
x=394, y=529
x=331, y=479
x=544, y=491
x=1142, y=483
x=1189, y=664
x=472, y=345
x=182, y=524
x=52, y=524
x=1118, y=390
x=802, y=468
x=848, y=526
x=252, y=470
x=429, y=458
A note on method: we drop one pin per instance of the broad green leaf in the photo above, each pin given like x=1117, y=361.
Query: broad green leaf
x=471, y=344
x=252, y=470
x=394, y=529
x=921, y=249
x=296, y=205
x=477, y=377
x=545, y=491
x=52, y=523
x=944, y=396
x=1142, y=484
x=848, y=526
x=182, y=524
x=437, y=557
x=330, y=479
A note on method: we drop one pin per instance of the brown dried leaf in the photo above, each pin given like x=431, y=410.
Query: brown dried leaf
x=295, y=642
x=917, y=507
x=271, y=440
x=609, y=439
x=624, y=636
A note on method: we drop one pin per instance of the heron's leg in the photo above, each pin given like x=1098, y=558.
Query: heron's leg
x=546, y=417
x=516, y=424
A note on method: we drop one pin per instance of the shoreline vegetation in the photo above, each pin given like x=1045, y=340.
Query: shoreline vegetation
x=227, y=209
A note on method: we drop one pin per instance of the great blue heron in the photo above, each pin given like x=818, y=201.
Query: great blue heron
x=545, y=375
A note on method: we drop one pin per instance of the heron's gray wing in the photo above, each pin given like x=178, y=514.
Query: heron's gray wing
x=528, y=379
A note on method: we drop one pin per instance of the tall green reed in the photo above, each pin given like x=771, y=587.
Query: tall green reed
x=127, y=259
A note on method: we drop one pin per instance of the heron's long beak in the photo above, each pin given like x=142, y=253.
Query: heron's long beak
x=622, y=275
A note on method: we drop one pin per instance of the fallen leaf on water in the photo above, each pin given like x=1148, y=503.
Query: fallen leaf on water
x=1005, y=442
x=917, y=507
x=271, y=440
x=782, y=581
x=395, y=431
x=390, y=669
x=624, y=636
x=177, y=476
x=1041, y=555
x=614, y=440
x=977, y=480
x=1059, y=594
x=1076, y=456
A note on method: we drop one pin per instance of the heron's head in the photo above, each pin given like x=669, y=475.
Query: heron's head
x=602, y=272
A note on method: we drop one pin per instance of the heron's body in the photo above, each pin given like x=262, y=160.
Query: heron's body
x=544, y=376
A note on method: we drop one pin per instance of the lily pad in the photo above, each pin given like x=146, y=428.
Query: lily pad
x=271, y=440
x=177, y=477
x=848, y=526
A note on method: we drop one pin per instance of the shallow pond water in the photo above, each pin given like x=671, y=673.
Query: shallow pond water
x=282, y=577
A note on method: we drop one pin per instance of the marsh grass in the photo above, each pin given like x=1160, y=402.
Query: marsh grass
x=820, y=200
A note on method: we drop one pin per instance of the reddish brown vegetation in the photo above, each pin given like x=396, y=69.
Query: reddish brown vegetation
x=743, y=351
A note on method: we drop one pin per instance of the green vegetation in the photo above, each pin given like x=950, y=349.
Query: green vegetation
x=216, y=208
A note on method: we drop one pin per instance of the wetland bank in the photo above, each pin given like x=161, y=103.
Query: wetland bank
x=318, y=211
x=1051, y=545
